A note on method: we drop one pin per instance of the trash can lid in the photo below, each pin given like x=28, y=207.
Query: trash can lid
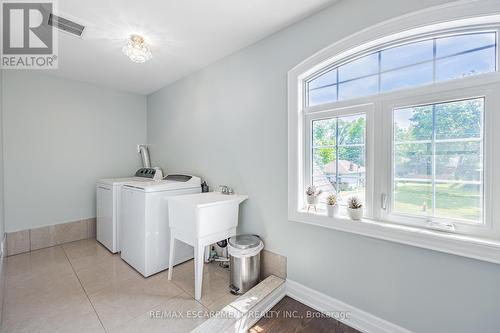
x=244, y=241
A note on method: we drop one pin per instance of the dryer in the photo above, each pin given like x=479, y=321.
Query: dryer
x=145, y=234
x=108, y=206
x=108, y=203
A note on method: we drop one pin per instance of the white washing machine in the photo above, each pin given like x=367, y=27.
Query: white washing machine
x=145, y=234
x=108, y=206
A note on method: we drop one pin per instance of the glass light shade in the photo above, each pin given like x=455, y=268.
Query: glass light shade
x=137, y=49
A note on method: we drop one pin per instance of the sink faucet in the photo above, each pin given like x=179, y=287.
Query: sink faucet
x=224, y=189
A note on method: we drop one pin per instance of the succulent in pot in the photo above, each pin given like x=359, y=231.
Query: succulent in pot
x=355, y=208
x=332, y=208
x=312, y=195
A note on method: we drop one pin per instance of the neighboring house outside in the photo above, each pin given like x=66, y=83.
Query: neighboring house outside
x=351, y=175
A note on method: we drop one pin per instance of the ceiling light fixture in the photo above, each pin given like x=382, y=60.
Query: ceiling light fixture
x=137, y=49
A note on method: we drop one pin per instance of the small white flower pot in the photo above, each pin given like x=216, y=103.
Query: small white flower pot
x=332, y=210
x=355, y=214
x=312, y=199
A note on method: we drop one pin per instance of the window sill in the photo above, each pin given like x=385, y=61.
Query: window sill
x=466, y=246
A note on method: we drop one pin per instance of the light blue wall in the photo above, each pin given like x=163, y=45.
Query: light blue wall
x=228, y=124
x=2, y=211
x=60, y=137
x=2, y=220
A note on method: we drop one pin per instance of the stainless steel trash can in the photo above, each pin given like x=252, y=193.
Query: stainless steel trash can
x=244, y=255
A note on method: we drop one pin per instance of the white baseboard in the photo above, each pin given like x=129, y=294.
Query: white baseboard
x=2, y=245
x=356, y=318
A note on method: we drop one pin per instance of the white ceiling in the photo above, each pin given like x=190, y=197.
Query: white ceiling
x=184, y=35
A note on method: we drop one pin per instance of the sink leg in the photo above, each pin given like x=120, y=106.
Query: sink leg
x=171, y=255
x=198, y=274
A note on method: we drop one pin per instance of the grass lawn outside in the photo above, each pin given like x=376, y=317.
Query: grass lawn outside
x=456, y=201
x=452, y=200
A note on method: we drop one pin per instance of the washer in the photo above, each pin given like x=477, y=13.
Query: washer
x=145, y=234
x=108, y=206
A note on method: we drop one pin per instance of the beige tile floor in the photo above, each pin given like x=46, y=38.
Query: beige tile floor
x=82, y=287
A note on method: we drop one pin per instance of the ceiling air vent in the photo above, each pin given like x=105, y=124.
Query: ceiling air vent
x=66, y=25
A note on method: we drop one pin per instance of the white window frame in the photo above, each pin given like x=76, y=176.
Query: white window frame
x=309, y=117
x=480, y=242
x=440, y=95
x=470, y=30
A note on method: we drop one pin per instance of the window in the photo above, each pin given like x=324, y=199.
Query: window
x=407, y=65
x=338, y=156
x=438, y=160
x=408, y=124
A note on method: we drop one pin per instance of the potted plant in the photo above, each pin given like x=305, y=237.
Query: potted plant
x=312, y=195
x=332, y=208
x=355, y=208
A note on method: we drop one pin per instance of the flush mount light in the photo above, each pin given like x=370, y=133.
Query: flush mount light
x=137, y=49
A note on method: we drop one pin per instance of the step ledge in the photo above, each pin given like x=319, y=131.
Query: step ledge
x=247, y=309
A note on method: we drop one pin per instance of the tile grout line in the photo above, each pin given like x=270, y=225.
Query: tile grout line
x=182, y=291
x=84, y=291
x=139, y=315
x=187, y=292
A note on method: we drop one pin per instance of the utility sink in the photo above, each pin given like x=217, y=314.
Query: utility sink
x=200, y=220
x=203, y=214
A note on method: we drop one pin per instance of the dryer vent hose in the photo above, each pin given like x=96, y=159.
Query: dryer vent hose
x=222, y=243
